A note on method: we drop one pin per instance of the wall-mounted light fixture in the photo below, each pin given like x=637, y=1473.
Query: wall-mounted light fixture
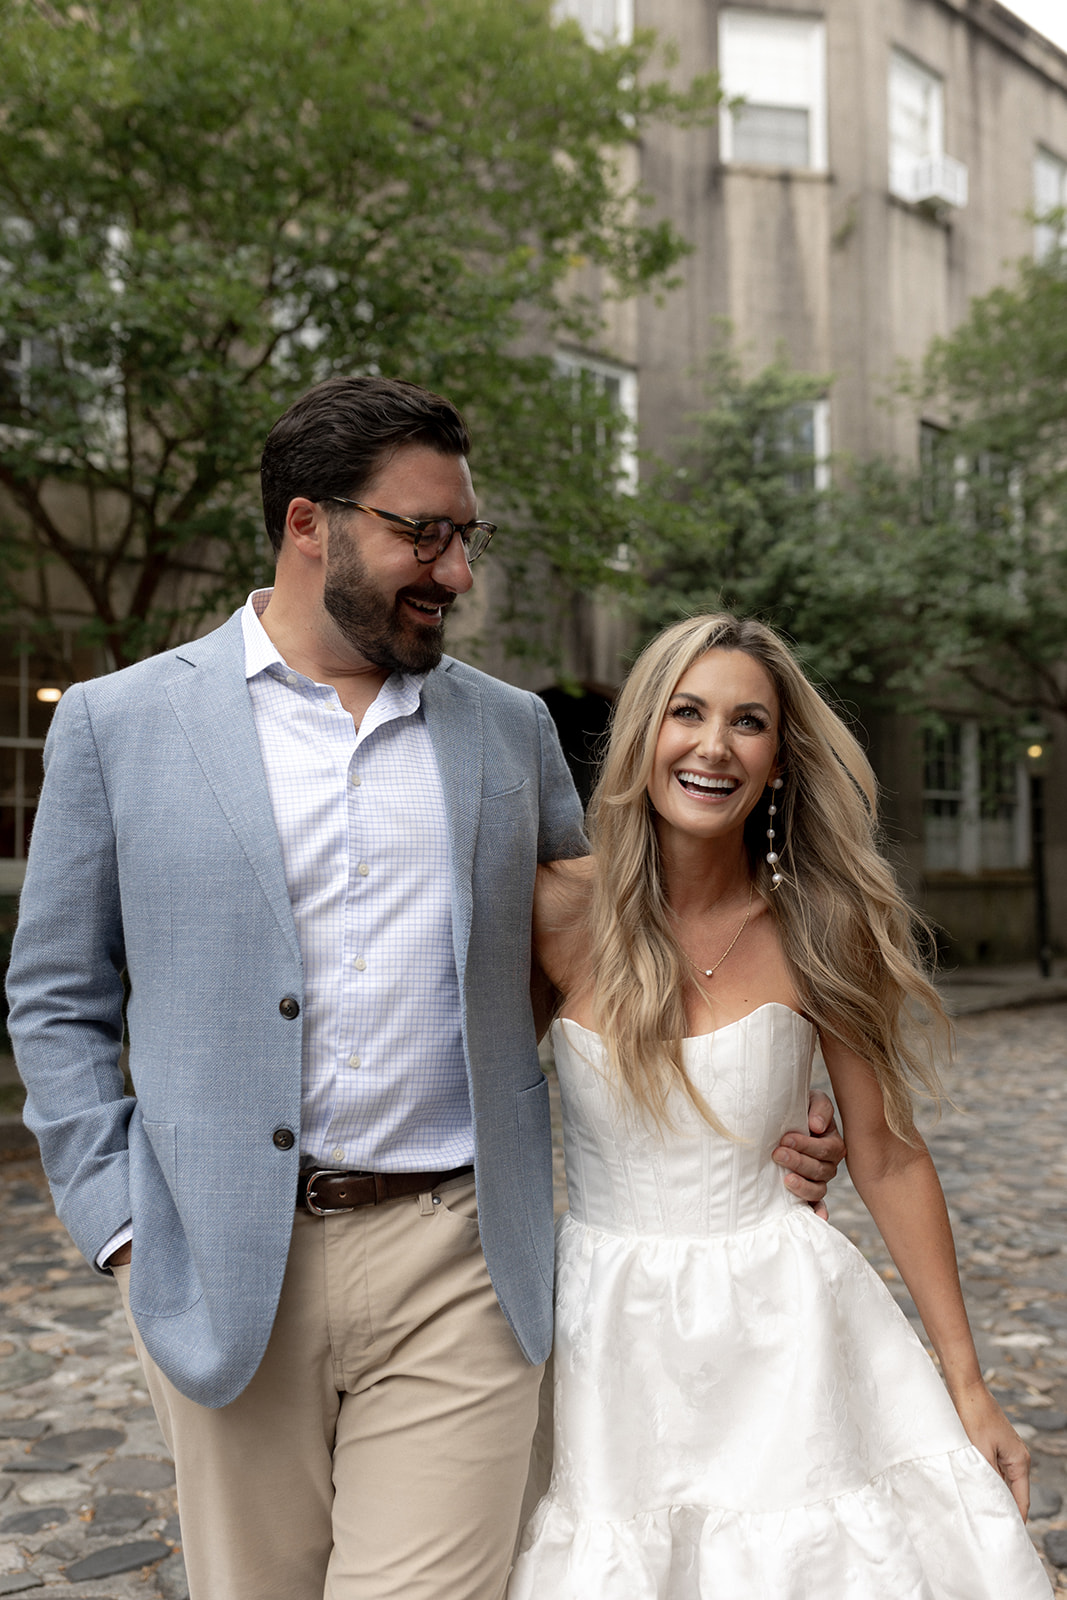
x=1038, y=746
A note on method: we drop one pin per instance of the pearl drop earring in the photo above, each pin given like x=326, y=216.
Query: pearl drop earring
x=772, y=858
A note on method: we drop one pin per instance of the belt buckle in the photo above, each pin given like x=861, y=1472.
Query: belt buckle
x=324, y=1211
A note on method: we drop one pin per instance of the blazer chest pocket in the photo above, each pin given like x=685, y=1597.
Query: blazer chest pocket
x=508, y=822
x=509, y=785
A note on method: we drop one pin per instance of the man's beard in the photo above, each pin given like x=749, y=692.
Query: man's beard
x=373, y=624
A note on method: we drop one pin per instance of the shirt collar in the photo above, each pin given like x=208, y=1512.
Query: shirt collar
x=260, y=649
x=398, y=696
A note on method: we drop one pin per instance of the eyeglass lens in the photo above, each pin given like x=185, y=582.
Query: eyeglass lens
x=436, y=536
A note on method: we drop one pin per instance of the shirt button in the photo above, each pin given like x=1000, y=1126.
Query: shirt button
x=290, y=677
x=359, y=964
x=353, y=1061
x=355, y=780
x=363, y=869
x=338, y=1152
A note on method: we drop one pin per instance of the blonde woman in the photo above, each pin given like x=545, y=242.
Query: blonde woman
x=742, y=1412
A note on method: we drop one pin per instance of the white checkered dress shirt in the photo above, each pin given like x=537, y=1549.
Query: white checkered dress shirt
x=360, y=816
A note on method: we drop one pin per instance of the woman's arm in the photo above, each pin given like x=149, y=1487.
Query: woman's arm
x=899, y=1186
x=561, y=900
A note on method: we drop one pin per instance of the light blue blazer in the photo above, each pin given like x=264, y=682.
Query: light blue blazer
x=155, y=853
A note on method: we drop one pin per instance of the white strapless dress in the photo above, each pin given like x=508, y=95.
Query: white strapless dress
x=741, y=1409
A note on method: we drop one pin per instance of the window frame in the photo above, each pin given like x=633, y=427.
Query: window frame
x=574, y=363
x=1047, y=237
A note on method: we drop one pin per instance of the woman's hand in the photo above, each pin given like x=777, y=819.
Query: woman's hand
x=990, y=1432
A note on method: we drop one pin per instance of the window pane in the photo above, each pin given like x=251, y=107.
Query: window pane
x=941, y=843
x=1050, y=193
x=937, y=471
x=32, y=774
x=941, y=761
x=999, y=755
x=38, y=715
x=797, y=441
x=9, y=773
x=774, y=136
x=997, y=844
x=15, y=826
x=10, y=700
x=916, y=121
x=914, y=110
x=603, y=21
x=769, y=59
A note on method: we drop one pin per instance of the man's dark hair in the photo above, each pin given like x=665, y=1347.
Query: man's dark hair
x=334, y=439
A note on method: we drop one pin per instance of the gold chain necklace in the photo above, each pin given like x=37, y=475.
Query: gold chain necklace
x=709, y=972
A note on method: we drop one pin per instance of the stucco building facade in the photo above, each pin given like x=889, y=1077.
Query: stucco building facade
x=878, y=164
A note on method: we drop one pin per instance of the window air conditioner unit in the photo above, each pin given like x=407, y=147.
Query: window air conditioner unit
x=938, y=178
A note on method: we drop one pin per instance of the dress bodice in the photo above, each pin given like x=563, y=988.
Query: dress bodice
x=624, y=1174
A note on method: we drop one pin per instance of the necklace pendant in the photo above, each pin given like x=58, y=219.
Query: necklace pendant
x=709, y=972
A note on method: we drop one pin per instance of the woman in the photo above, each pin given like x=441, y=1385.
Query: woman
x=742, y=1412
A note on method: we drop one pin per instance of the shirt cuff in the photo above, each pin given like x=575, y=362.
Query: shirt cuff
x=117, y=1240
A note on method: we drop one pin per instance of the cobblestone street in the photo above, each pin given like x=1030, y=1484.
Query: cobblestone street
x=86, y=1490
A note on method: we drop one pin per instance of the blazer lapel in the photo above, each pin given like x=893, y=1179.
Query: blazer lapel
x=210, y=700
x=453, y=712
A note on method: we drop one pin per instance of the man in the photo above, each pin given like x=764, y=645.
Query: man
x=309, y=843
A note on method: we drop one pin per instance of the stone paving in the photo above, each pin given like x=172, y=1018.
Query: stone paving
x=87, y=1507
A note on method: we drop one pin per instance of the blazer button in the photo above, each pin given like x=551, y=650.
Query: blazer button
x=289, y=1008
x=284, y=1138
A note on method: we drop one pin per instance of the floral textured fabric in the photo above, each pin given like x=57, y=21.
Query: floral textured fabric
x=741, y=1409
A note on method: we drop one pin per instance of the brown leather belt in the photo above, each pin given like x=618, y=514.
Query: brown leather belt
x=323, y=1191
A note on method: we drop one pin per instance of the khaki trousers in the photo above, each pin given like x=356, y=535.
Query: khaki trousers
x=381, y=1450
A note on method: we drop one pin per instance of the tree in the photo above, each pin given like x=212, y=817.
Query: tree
x=205, y=209
x=740, y=521
x=959, y=568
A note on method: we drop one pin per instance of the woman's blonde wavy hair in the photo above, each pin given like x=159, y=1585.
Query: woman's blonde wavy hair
x=851, y=940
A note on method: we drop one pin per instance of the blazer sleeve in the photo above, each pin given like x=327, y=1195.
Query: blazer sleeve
x=65, y=986
x=561, y=833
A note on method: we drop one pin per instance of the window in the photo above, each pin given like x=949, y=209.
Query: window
x=24, y=722
x=43, y=379
x=618, y=386
x=939, y=472
x=23, y=362
x=806, y=435
x=1050, y=195
x=975, y=814
x=30, y=686
x=603, y=21
x=982, y=491
x=919, y=169
x=776, y=65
